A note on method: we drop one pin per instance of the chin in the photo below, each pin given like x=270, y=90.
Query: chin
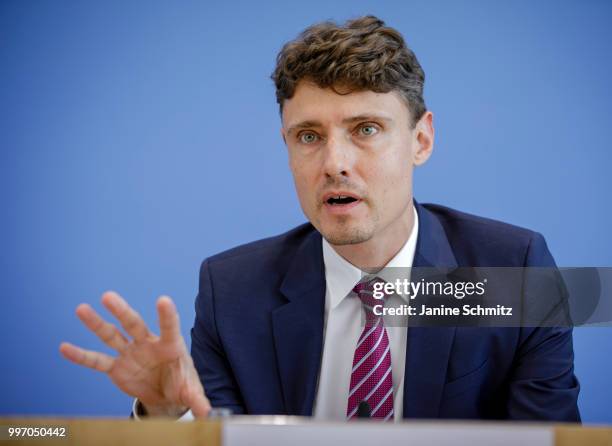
x=347, y=236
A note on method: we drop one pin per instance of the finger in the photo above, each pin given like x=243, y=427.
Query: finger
x=130, y=320
x=107, y=332
x=197, y=402
x=88, y=358
x=169, y=325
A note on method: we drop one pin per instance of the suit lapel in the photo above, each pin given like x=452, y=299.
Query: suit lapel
x=427, y=348
x=298, y=326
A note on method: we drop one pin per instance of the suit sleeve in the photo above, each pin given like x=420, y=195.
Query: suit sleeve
x=208, y=353
x=543, y=385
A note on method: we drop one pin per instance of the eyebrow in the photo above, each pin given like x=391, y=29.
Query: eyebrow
x=313, y=123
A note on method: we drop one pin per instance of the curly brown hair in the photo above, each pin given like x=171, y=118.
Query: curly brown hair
x=362, y=54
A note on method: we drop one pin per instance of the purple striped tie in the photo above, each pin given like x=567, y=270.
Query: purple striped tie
x=371, y=377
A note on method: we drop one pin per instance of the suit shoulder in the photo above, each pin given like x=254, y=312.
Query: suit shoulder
x=282, y=245
x=455, y=219
x=492, y=241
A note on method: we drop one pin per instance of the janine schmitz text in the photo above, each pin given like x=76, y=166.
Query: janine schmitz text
x=442, y=310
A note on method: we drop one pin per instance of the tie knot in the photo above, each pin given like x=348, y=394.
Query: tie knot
x=370, y=292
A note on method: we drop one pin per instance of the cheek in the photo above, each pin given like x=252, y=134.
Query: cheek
x=401, y=165
x=303, y=186
x=394, y=164
x=392, y=174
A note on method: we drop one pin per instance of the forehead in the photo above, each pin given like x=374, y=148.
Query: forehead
x=313, y=103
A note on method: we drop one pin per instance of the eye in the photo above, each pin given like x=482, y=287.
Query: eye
x=307, y=137
x=368, y=130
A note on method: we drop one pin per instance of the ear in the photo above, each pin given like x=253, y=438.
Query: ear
x=424, y=138
x=282, y=131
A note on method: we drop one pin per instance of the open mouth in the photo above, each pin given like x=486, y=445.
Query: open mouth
x=340, y=200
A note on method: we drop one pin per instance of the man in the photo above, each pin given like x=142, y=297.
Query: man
x=278, y=326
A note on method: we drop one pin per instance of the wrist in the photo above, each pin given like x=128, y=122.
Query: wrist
x=160, y=411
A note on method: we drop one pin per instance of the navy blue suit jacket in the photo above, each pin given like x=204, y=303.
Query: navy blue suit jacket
x=258, y=334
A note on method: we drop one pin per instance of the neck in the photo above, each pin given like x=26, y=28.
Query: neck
x=379, y=250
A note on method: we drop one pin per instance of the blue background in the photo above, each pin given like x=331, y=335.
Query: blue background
x=137, y=138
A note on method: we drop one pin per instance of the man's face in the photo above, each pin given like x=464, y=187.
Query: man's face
x=359, y=146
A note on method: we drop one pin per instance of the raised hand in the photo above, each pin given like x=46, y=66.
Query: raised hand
x=158, y=370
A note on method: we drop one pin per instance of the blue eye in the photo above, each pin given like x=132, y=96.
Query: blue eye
x=308, y=137
x=368, y=130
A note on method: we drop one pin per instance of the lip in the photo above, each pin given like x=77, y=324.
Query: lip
x=339, y=209
x=328, y=195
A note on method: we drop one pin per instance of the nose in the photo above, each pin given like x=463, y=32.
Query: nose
x=338, y=156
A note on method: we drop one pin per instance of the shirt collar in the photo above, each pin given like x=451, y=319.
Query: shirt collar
x=341, y=276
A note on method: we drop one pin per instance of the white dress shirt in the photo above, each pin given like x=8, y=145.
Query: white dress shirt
x=343, y=325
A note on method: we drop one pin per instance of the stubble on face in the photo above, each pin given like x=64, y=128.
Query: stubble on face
x=347, y=234
x=346, y=229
